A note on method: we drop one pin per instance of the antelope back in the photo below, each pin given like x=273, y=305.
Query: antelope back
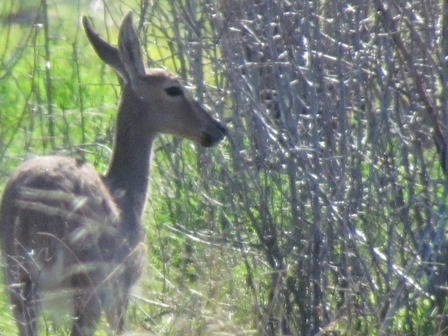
x=62, y=243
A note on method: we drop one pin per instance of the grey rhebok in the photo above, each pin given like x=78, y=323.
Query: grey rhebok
x=68, y=231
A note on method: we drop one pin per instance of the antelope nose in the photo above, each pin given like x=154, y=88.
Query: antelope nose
x=214, y=135
x=221, y=127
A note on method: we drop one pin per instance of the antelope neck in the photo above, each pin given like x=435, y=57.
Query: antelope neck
x=129, y=168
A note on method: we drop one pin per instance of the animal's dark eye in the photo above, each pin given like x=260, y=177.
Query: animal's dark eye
x=174, y=91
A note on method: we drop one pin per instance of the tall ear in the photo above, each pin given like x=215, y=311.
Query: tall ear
x=107, y=52
x=129, y=50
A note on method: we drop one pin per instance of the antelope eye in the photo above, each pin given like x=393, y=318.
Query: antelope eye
x=174, y=91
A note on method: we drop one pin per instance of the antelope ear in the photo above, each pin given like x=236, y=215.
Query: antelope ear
x=130, y=51
x=107, y=52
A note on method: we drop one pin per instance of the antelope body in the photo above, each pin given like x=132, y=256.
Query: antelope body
x=67, y=231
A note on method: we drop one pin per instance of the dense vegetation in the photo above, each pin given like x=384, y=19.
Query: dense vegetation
x=324, y=211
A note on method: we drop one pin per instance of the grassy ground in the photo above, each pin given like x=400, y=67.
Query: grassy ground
x=209, y=300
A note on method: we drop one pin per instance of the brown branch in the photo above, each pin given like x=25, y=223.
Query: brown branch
x=430, y=110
